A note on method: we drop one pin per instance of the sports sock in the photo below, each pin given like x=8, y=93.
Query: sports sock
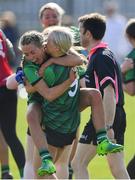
x=101, y=135
x=21, y=172
x=4, y=169
x=5, y=172
x=44, y=154
x=70, y=170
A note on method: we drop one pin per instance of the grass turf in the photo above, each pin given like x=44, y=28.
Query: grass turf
x=98, y=168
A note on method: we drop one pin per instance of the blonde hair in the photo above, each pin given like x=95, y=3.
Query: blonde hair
x=62, y=38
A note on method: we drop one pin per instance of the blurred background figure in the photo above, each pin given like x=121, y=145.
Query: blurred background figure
x=67, y=20
x=115, y=26
x=9, y=27
x=51, y=14
x=8, y=105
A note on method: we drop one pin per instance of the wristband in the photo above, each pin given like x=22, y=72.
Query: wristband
x=108, y=127
x=18, y=69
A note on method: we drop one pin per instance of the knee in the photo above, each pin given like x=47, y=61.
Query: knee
x=95, y=96
x=33, y=113
x=29, y=116
x=3, y=148
x=77, y=164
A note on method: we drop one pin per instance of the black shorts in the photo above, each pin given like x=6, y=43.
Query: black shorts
x=119, y=126
x=8, y=108
x=58, y=139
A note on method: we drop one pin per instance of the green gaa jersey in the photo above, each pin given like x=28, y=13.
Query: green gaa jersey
x=62, y=114
x=130, y=75
x=31, y=73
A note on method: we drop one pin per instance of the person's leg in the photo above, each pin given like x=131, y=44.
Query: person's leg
x=8, y=126
x=84, y=154
x=92, y=97
x=37, y=164
x=74, y=146
x=60, y=146
x=28, y=168
x=4, y=159
x=62, y=160
x=116, y=161
x=131, y=168
x=85, y=151
x=117, y=165
x=34, y=116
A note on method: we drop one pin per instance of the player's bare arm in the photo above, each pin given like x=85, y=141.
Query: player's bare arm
x=52, y=93
x=68, y=60
x=109, y=103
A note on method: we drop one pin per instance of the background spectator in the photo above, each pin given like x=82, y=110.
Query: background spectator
x=10, y=29
x=115, y=26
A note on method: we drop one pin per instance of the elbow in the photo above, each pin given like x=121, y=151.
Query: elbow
x=131, y=93
x=129, y=89
x=11, y=83
x=77, y=62
x=49, y=97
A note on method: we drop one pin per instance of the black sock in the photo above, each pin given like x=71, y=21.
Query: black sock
x=70, y=171
x=5, y=172
x=21, y=173
x=4, y=169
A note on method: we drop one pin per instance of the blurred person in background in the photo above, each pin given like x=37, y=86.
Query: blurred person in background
x=8, y=104
x=50, y=14
x=9, y=27
x=115, y=26
x=128, y=71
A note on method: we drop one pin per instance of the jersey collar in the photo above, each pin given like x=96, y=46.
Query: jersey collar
x=100, y=45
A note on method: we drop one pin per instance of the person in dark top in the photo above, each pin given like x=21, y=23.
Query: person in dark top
x=102, y=73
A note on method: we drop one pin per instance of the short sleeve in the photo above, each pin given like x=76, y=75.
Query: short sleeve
x=31, y=73
x=104, y=70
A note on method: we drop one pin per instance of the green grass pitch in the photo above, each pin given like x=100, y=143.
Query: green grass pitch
x=98, y=168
